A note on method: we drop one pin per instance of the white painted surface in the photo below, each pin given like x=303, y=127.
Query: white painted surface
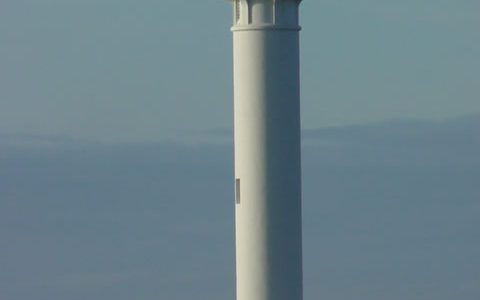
x=267, y=151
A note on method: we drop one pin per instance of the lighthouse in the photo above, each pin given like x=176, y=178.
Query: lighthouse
x=268, y=218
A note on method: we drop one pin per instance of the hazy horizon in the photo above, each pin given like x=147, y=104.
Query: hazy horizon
x=390, y=212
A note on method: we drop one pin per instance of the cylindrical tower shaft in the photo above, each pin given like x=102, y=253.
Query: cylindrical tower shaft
x=267, y=150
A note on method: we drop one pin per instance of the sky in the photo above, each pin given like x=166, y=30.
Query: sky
x=116, y=172
x=153, y=70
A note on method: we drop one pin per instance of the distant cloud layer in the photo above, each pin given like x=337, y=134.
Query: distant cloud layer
x=390, y=212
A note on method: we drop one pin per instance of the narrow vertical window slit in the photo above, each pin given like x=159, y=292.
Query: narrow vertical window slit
x=237, y=191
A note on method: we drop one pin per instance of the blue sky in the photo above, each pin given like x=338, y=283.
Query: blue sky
x=150, y=70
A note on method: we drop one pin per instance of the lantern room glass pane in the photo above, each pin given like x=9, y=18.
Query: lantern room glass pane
x=262, y=11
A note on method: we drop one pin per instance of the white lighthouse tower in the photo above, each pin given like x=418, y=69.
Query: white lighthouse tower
x=268, y=223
